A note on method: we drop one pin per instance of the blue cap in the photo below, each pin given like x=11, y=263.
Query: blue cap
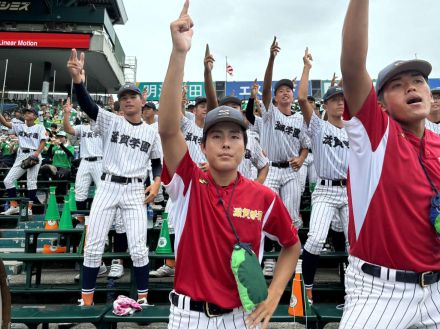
x=33, y=110
x=435, y=91
x=399, y=67
x=333, y=91
x=283, y=82
x=128, y=87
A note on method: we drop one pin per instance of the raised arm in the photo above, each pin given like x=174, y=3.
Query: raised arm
x=267, y=84
x=173, y=141
x=4, y=122
x=357, y=82
x=66, y=118
x=211, y=96
x=303, y=88
x=75, y=67
x=250, y=115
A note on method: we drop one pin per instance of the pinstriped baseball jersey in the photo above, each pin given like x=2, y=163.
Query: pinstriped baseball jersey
x=256, y=127
x=435, y=127
x=193, y=137
x=253, y=156
x=330, y=149
x=282, y=137
x=29, y=137
x=155, y=127
x=127, y=147
x=90, y=142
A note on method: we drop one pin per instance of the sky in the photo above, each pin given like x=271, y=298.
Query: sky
x=243, y=31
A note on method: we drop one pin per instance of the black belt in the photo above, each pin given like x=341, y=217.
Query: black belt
x=423, y=279
x=120, y=179
x=211, y=310
x=336, y=182
x=91, y=159
x=282, y=164
x=27, y=150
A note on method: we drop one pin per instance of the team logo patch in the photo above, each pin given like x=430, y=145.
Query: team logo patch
x=248, y=214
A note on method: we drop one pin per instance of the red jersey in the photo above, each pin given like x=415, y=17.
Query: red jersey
x=389, y=194
x=204, y=239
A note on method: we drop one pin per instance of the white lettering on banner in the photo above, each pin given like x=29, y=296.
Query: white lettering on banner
x=8, y=43
x=15, y=5
x=245, y=91
x=195, y=91
x=27, y=43
x=152, y=91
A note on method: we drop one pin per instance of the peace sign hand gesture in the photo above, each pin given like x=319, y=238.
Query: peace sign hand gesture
x=75, y=66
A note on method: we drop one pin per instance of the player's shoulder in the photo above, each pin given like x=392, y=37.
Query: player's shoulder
x=255, y=189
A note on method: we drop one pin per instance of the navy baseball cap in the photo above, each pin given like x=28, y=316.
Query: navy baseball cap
x=401, y=66
x=150, y=105
x=333, y=91
x=200, y=100
x=128, y=87
x=435, y=91
x=283, y=82
x=230, y=99
x=33, y=110
x=223, y=114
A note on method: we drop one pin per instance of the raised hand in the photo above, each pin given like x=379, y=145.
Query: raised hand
x=75, y=66
x=294, y=82
x=254, y=89
x=209, y=59
x=181, y=30
x=274, y=48
x=67, y=106
x=307, y=59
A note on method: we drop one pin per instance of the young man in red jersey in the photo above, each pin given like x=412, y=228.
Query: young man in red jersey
x=392, y=280
x=204, y=239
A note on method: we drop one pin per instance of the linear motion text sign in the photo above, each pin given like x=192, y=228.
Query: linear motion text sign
x=44, y=40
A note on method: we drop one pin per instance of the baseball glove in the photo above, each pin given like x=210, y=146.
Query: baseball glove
x=29, y=162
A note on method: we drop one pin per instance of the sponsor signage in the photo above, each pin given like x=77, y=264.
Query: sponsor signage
x=15, y=5
x=44, y=40
x=194, y=89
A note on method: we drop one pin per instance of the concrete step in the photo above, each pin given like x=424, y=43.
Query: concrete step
x=11, y=233
x=31, y=224
x=13, y=267
x=20, y=242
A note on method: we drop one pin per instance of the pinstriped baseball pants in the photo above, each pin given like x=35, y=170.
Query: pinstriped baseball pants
x=16, y=172
x=329, y=203
x=129, y=198
x=286, y=183
x=373, y=302
x=87, y=171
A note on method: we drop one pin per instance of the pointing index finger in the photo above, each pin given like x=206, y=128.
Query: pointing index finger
x=184, y=11
x=207, y=52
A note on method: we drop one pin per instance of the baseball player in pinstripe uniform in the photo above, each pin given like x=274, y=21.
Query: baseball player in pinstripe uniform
x=208, y=298
x=90, y=168
x=284, y=140
x=31, y=139
x=433, y=120
x=128, y=146
x=330, y=149
x=254, y=155
x=393, y=276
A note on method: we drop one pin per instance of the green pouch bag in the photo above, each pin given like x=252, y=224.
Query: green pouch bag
x=251, y=284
